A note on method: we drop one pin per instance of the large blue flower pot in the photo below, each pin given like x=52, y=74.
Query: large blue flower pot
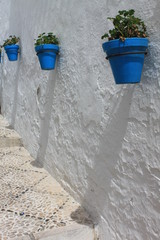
x=12, y=52
x=126, y=58
x=47, y=55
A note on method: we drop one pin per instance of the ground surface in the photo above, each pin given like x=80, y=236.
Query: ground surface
x=31, y=201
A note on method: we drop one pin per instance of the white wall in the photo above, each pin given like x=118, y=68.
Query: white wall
x=100, y=140
x=4, y=24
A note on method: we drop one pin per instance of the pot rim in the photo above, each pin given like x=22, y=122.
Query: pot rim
x=129, y=42
x=47, y=47
x=11, y=46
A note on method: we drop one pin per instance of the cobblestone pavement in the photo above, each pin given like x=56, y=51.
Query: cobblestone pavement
x=31, y=201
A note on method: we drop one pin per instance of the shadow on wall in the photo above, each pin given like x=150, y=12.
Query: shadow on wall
x=14, y=91
x=45, y=122
x=100, y=175
x=15, y=96
x=16, y=70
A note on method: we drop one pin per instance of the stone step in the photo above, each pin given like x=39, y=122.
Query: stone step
x=33, y=205
x=72, y=232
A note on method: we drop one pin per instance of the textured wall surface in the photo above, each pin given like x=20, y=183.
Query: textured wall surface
x=4, y=24
x=100, y=141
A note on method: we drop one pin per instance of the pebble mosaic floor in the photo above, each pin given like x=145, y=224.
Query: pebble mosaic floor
x=31, y=201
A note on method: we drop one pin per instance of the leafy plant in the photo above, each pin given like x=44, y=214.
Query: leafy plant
x=126, y=25
x=46, y=39
x=12, y=40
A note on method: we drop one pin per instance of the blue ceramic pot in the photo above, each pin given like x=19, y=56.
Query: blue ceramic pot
x=126, y=58
x=12, y=52
x=47, y=55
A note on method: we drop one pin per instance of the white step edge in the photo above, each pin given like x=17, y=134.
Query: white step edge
x=72, y=232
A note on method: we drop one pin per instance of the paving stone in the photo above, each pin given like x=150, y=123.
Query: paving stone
x=8, y=133
x=50, y=185
x=11, y=225
x=28, y=165
x=9, y=142
x=14, y=151
x=3, y=172
x=8, y=195
x=39, y=205
x=26, y=179
x=8, y=160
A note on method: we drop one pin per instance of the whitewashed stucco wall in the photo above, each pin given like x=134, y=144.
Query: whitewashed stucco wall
x=101, y=141
x=4, y=24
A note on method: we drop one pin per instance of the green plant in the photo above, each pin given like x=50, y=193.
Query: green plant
x=126, y=25
x=12, y=40
x=48, y=38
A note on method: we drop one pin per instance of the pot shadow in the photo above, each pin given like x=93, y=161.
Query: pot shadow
x=15, y=79
x=100, y=175
x=15, y=98
x=45, y=122
x=81, y=216
x=18, y=64
x=36, y=164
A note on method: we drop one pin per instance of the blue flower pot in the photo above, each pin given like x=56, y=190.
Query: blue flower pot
x=126, y=58
x=12, y=52
x=47, y=55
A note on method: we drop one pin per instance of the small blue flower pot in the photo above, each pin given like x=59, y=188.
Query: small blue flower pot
x=126, y=58
x=47, y=55
x=12, y=52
